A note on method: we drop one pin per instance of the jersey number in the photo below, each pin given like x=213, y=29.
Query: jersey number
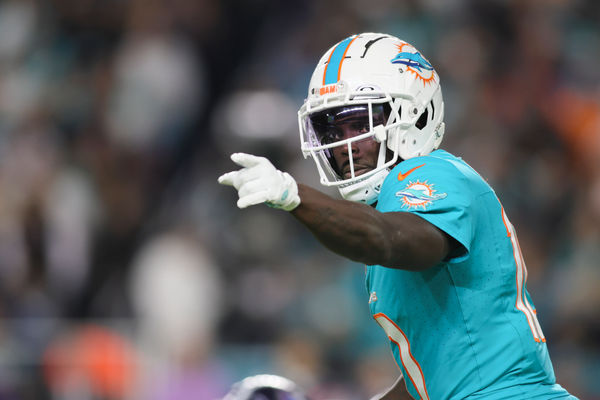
x=411, y=366
x=522, y=304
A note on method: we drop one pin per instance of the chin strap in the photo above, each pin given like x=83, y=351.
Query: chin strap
x=365, y=191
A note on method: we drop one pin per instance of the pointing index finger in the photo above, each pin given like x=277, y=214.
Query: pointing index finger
x=246, y=160
x=228, y=178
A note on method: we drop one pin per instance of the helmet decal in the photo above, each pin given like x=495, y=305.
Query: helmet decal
x=336, y=58
x=371, y=42
x=415, y=63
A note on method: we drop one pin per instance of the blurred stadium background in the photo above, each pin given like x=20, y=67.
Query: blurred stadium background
x=126, y=272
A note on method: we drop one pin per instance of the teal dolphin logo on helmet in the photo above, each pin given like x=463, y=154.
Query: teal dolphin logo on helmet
x=415, y=60
x=415, y=63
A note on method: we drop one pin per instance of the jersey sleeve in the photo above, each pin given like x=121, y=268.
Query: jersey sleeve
x=435, y=190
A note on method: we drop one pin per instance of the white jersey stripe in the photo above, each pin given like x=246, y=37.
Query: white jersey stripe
x=522, y=304
x=412, y=367
x=536, y=322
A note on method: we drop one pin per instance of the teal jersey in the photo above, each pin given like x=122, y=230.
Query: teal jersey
x=466, y=328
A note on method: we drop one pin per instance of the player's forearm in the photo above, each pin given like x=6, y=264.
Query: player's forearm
x=354, y=230
x=350, y=229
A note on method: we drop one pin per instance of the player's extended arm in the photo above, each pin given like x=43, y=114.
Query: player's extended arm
x=361, y=233
x=353, y=230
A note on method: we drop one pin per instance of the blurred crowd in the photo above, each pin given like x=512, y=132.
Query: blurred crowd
x=127, y=273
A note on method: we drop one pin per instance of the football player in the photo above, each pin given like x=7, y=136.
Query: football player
x=444, y=270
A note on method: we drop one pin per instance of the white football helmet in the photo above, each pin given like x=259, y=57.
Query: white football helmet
x=398, y=94
x=265, y=387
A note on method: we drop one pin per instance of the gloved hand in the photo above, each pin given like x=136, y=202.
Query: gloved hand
x=260, y=182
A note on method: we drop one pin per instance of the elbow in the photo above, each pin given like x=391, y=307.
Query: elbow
x=402, y=255
x=384, y=251
x=407, y=265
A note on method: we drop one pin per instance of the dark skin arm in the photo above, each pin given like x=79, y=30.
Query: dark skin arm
x=396, y=392
x=361, y=233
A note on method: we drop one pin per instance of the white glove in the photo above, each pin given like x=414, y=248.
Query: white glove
x=260, y=182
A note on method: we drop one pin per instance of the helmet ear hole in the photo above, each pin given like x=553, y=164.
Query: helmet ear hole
x=422, y=121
